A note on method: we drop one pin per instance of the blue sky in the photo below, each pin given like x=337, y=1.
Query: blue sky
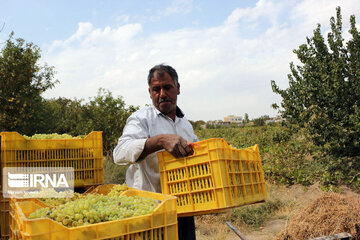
x=225, y=52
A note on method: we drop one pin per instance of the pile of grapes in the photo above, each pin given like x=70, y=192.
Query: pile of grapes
x=48, y=194
x=51, y=136
x=53, y=202
x=94, y=208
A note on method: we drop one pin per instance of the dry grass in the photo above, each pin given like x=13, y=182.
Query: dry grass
x=329, y=214
x=212, y=226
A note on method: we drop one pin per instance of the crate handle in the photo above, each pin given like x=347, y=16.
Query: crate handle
x=195, y=146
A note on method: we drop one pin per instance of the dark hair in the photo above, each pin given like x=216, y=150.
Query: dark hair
x=161, y=68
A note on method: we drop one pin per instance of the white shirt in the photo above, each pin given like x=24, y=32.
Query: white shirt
x=142, y=124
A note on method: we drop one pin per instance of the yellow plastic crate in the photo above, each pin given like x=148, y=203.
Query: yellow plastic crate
x=4, y=217
x=161, y=224
x=215, y=178
x=14, y=232
x=84, y=155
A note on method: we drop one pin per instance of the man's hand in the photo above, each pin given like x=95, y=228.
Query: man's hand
x=173, y=143
x=176, y=145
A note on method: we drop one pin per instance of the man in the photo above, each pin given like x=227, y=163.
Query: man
x=157, y=127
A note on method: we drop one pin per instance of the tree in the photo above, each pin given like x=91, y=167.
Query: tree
x=197, y=125
x=246, y=119
x=102, y=113
x=324, y=92
x=66, y=116
x=261, y=120
x=108, y=114
x=22, y=81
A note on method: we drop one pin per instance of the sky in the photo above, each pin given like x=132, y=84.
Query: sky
x=225, y=52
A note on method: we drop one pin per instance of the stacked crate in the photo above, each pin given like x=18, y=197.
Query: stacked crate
x=85, y=155
x=161, y=224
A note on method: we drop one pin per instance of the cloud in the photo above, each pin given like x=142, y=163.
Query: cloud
x=263, y=8
x=222, y=69
x=179, y=7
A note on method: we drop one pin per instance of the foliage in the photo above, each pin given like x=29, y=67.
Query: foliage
x=197, y=124
x=261, y=120
x=66, y=116
x=242, y=137
x=246, y=119
x=256, y=215
x=102, y=113
x=289, y=155
x=339, y=171
x=296, y=160
x=22, y=81
x=107, y=114
x=114, y=174
x=324, y=92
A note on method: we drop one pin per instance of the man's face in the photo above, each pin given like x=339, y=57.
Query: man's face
x=163, y=92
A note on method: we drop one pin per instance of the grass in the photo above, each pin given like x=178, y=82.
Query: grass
x=256, y=215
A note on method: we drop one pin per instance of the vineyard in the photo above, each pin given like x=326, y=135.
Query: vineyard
x=290, y=157
x=288, y=154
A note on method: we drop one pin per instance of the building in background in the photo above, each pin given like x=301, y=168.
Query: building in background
x=233, y=119
x=275, y=119
x=228, y=120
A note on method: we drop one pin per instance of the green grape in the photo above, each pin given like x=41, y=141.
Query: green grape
x=40, y=213
x=95, y=208
x=50, y=136
x=117, y=190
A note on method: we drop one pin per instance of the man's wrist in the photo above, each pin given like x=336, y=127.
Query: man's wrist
x=151, y=145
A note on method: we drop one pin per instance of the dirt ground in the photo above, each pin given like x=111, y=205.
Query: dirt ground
x=214, y=226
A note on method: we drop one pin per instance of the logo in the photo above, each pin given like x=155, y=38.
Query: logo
x=20, y=182
x=34, y=180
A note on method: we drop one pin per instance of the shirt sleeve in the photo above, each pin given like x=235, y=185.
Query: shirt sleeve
x=196, y=139
x=132, y=142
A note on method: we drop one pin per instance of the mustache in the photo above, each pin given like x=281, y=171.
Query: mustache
x=161, y=100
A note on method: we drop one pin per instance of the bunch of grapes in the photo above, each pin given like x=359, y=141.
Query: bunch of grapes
x=50, y=136
x=117, y=190
x=49, y=193
x=95, y=208
x=40, y=213
x=58, y=201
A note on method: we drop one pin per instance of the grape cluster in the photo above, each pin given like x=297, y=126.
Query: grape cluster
x=117, y=190
x=49, y=193
x=40, y=213
x=50, y=136
x=53, y=202
x=94, y=208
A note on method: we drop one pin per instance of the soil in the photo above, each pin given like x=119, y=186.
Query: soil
x=297, y=197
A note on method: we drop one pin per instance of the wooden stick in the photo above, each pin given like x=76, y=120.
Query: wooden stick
x=242, y=237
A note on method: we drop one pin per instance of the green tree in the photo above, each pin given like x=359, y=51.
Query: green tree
x=22, y=81
x=246, y=119
x=66, y=116
x=108, y=114
x=261, y=120
x=197, y=124
x=102, y=113
x=324, y=92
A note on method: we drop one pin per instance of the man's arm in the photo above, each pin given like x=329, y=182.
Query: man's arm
x=135, y=144
x=173, y=143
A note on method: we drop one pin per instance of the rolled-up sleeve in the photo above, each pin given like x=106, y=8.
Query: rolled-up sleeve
x=132, y=142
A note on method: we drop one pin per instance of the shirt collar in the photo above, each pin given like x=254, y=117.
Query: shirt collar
x=179, y=113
